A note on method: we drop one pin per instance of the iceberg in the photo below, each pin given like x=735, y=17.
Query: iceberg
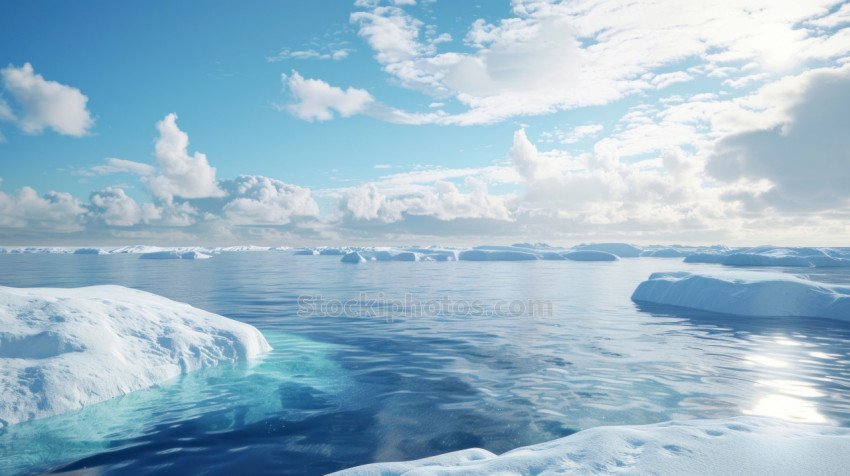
x=590, y=255
x=89, y=251
x=63, y=349
x=746, y=293
x=306, y=252
x=742, y=445
x=175, y=255
x=763, y=256
x=353, y=257
x=495, y=255
x=623, y=250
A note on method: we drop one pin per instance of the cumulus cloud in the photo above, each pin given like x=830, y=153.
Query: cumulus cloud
x=317, y=100
x=43, y=104
x=265, y=201
x=116, y=208
x=441, y=200
x=55, y=211
x=180, y=174
x=806, y=157
x=551, y=56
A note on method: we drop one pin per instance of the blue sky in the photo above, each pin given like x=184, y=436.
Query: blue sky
x=404, y=121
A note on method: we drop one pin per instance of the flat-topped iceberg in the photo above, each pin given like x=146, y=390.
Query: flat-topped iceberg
x=623, y=250
x=746, y=293
x=745, y=445
x=590, y=255
x=63, y=349
x=496, y=255
x=175, y=255
x=799, y=257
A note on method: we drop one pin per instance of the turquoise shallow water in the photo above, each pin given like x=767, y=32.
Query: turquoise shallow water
x=342, y=391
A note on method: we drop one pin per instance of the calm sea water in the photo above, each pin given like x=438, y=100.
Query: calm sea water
x=343, y=391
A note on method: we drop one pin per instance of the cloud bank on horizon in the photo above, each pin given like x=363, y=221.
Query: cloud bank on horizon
x=707, y=122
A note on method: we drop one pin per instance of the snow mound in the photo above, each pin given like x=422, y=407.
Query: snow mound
x=353, y=257
x=175, y=255
x=590, y=255
x=746, y=445
x=623, y=250
x=63, y=349
x=746, y=293
x=496, y=255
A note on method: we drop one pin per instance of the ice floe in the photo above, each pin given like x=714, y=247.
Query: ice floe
x=63, y=349
x=743, y=445
x=746, y=293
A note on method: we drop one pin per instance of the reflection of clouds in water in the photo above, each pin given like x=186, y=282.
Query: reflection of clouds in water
x=787, y=408
x=787, y=398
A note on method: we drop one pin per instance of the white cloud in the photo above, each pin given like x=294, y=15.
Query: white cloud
x=317, y=100
x=116, y=166
x=441, y=200
x=44, y=104
x=806, y=157
x=332, y=54
x=180, y=174
x=55, y=211
x=265, y=201
x=562, y=55
x=116, y=208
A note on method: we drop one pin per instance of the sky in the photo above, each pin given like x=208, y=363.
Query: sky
x=424, y=122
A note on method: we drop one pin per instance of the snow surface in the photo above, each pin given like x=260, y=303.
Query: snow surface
x=175, y=255
x=744, y=445
x=746, y=293
x=63, y=349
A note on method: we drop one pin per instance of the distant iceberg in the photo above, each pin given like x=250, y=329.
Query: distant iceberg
x=496, y=255
x=175, y=255
x=590, y=255
x=63, y=349
x=623, y=250
x=743, y=445
x=799, y=257
x=746, y=293
x=89, y=251
x=353, y=257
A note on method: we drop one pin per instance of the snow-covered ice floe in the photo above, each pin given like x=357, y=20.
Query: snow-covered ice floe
x=175, y=255
x=63, y=349
x=746, y=293
x=744, y=445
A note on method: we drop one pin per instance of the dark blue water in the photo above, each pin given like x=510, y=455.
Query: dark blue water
x=342, y=391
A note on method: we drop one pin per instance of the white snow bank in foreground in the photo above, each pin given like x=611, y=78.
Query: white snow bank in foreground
x=175, y=255
x=63, y=349
x=746, y=445
x=746, y=293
